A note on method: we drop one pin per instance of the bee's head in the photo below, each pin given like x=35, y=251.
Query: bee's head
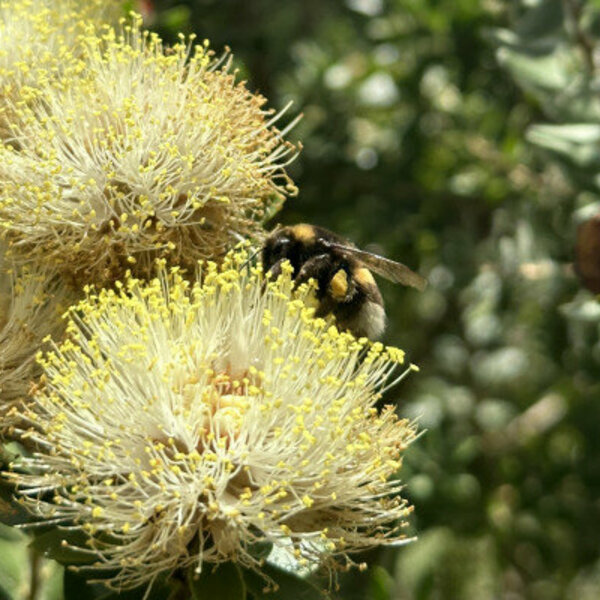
x=277, y=247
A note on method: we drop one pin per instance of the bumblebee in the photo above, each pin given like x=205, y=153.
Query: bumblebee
x=346, y=287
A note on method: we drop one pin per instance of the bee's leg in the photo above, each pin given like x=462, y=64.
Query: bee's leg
x=275, y=271
x=336, y=286
x=317, y=267
x=272, y=274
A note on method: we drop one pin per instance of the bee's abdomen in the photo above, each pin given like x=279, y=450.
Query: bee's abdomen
x=365, y=319
x=362, y=313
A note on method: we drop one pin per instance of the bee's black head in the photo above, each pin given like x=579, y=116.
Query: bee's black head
x=296, y=243
x=279, y=245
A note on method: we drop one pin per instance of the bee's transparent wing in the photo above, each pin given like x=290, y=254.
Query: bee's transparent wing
x=390, y=269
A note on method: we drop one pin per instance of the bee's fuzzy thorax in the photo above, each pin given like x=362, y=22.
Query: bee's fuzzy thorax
x=304, y=233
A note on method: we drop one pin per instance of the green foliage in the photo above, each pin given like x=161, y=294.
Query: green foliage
x=462, y=138
x=226, y=582
x=61, y=545
x=288, y=586
x=551, y=54
x=77, y=585
x=419, y=144
x=23, y=570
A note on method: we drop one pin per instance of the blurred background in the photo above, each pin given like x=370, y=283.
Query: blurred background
x=461, y=137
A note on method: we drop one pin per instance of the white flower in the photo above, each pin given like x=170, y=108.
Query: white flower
x=180, y=424
x=31, y=303
x=38, y=45
x=148, y=151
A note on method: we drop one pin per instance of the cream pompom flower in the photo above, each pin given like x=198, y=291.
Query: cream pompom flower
x=32, y=301
x=149, y=151
x=180, y=424
x=38, y=45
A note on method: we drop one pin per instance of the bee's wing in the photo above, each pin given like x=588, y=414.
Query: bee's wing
x=390, y=269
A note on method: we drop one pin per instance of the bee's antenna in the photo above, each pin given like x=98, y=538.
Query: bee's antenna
x=250, y=259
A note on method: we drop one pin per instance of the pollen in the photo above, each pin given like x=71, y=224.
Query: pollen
x=32, y=301
x=176, y=158
x=338, y=286
x=38, y=40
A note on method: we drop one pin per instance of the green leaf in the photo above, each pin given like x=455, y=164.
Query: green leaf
x=226, y=583
x=542, y=20
x=290, y=586
x=53, y=574
x=575, y=133
x=11, y=534
x=4, y=595
x=260, y=549
x=76, y=587
x=583, y=312
x=578, y=142
x=381, y=584
x=416, y=566
x=14, y=565
x=548, y=72
x=56, y=544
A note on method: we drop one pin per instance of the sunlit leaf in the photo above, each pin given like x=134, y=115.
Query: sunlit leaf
x=579, y=142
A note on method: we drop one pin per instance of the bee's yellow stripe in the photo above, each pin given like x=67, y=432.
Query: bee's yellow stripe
x=364, y=277
x=304, y=233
